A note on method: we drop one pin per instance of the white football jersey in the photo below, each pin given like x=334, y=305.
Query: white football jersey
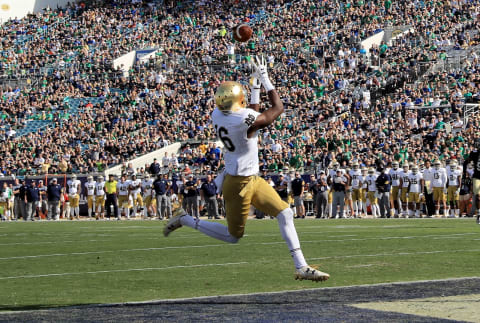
x=147, y=187
x=370, y=179
x=122, y=188
x=4, y=196
x=453, y=177
x=241, y=153
x=357, y=177
x=364, y=182
x=100, y=188
x=395, y=175
x=439, y=177
x=136, y=186
x=73, y=186
x=415, y=182
x=90, y=186
x=404, y=176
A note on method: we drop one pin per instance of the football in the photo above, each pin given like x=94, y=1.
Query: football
x=242, y=32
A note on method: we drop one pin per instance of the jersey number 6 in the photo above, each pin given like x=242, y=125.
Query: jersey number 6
x=227, y=142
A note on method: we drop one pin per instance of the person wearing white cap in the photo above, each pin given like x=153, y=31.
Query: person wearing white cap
x=90, y=194
x=73, y=196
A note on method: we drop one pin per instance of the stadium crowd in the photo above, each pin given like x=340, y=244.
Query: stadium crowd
x=318, y=66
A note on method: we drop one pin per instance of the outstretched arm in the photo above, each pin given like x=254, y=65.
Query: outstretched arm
x=269, y=115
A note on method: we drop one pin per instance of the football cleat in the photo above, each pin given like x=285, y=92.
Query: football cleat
x=309, y=273
x=174, y=222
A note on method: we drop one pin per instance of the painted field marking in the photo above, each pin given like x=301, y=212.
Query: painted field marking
x=47, y=242
x=122, y=270
x=214, y=245
x=459, y=308
x=397, y=254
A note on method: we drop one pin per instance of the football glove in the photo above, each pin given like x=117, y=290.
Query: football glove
x=260, y=72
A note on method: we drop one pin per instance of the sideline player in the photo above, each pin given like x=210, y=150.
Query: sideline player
x=90, y=193
x=238, y=127
x=148, y=197
x=474, y=157
x=404, y=175
x=454, y=178
x=74, y=186
x=135, y=190
x=357, y=179
x=439, y=183
x=100, y=198
x=395, y=204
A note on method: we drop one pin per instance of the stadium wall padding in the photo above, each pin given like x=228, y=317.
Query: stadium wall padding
x=146, y=159
x=373, y=40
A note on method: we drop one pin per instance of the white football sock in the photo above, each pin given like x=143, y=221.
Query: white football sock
x=211, y=229
x=289, y=234
x=89, y=213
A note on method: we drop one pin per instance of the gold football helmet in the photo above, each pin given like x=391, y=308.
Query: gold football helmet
x=230, y=97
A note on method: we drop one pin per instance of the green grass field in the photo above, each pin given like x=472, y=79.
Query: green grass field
x=46, y=264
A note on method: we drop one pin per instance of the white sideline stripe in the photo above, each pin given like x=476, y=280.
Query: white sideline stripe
x=123, y=270
x=109, y=251
x=397, y=254
x=217, y=245
x=46, y=242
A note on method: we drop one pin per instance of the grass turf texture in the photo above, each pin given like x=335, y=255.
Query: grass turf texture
x=110, y=262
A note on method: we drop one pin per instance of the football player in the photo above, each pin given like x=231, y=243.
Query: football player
x=439, y=183
x=123, y=197
x=404, y=188
x=364, y=192
x=148, y=196
x=395, y=174
x=372, y=192
x=90, y=194
x=135, y=189
x=74, y=186
x=100, y=198
x=415, y=191
x=237, y=127
x=474, y=157
x=357, y=179
x=454, y=178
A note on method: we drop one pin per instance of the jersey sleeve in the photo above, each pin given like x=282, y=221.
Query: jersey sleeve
x=249, y=118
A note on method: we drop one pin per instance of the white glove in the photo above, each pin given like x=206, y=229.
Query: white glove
x=421, y=195
x=445, y=191
x=255, y=86
x=260, y=72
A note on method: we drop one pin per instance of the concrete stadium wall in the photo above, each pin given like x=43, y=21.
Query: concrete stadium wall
x=146, y=159
x=126, y=60
x=20, y=8
x=373, y=40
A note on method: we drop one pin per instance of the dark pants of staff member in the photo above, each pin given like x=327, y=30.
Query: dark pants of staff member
x=430, y=204
x=111, y=200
